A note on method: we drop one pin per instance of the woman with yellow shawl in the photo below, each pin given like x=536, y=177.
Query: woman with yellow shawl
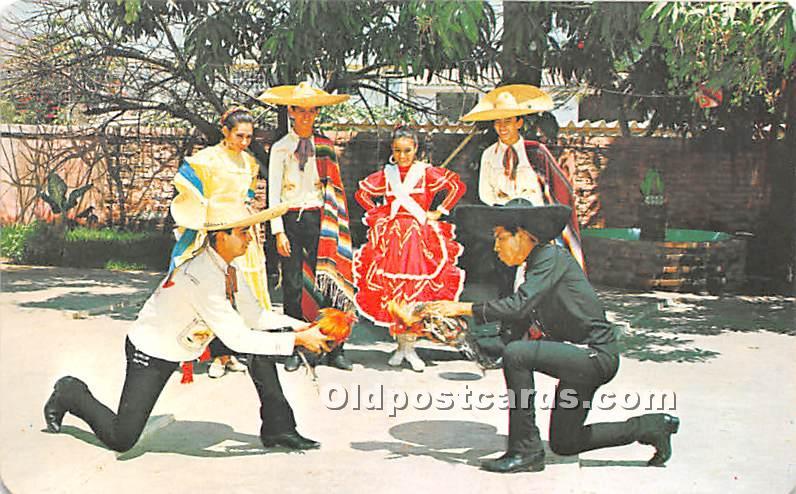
x=225, y=169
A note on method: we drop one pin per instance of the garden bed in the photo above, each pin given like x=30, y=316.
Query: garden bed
x=43, y=244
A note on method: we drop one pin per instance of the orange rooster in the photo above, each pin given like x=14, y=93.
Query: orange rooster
x=336, y=324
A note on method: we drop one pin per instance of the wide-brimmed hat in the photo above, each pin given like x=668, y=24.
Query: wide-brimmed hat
x=220, y=212
x=302, y=95
x=510, y=101
x=543, y=222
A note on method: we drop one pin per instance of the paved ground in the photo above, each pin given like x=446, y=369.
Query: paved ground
x=729, y=362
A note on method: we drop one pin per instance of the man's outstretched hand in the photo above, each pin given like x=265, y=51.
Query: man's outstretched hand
x=448, y=308
x=311, y=338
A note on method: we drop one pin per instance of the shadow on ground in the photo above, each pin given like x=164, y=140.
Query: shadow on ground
x=134, y=288
x=31, y=279
x=189, y=438
x=656, y=324
x=451, y=441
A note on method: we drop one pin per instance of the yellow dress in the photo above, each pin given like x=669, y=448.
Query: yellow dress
x=211, y=172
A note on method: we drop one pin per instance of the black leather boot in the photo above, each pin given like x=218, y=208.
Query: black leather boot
x=292, y=363
x=55, y=407
x=656, y=429
x=291, y=440
x=336, y=358
x=515, y=462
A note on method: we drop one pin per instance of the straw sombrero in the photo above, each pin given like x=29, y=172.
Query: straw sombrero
x=220, y=212
x=510, y=101
x=302, y=95
x=543, y=222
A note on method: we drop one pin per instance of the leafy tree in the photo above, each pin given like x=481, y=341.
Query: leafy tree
x=192, y=59
x=746, y=49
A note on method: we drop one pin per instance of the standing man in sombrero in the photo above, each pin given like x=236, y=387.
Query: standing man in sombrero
x=313, y=237
x=205, y=303
x=514, y=167
x=554, y=324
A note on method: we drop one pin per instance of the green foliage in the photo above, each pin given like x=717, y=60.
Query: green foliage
x=12, y=241
x=83, y=234
x=56, y=196
x=8, y=112
x=747, y=49
x=652, y=183
x=356, y=113
x=46, y=244
x=115, y=265
x=191, y=59
x=86, y=247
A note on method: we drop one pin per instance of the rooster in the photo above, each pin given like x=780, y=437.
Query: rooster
x=336, y=324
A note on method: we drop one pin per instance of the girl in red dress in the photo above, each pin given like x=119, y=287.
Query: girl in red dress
x=409, y=256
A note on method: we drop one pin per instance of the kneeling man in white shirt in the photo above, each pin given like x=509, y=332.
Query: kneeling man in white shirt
x=204, y=302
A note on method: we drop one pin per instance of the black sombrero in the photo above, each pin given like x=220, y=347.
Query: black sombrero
x=543, y=222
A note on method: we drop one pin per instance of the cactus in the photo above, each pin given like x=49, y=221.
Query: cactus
x=652, y=188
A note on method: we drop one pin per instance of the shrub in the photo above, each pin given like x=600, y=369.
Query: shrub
x=44, y=245
x=88, y=248
x=47, y=244
x=12, y=241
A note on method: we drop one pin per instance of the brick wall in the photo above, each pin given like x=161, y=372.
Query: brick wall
x=706, y=188
x=142, y=160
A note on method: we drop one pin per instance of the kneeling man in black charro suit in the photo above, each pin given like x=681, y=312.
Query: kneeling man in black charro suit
x=554, y=323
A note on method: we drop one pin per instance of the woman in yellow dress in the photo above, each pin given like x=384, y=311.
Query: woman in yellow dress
x=224, y=169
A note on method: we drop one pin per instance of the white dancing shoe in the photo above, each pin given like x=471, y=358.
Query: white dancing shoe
x=398, y=356
x=217, y=369
x=411, y=356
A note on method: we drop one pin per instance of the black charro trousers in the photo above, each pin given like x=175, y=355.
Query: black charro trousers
x=580, y=370
x=303, y=232
x=144, y=381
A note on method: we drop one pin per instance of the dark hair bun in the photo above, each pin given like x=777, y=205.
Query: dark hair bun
x=235, y=116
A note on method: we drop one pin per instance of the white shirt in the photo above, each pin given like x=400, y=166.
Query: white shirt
x=178, y=322
x=519, y=276
x=496, y=189
x=286, y=183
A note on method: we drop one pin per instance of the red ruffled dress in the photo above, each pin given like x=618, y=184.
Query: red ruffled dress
x=406, y=258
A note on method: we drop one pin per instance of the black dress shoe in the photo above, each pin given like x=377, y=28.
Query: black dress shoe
x=290, y=440
x=658, y=433
x=340, y=361
x=292, y=363
x=54, y=410
x=515, y=462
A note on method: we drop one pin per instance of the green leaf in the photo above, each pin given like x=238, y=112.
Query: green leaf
x=56, y=208
x=658, y=8
x=56, y=189
x=75, y=196
x=132, y=8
